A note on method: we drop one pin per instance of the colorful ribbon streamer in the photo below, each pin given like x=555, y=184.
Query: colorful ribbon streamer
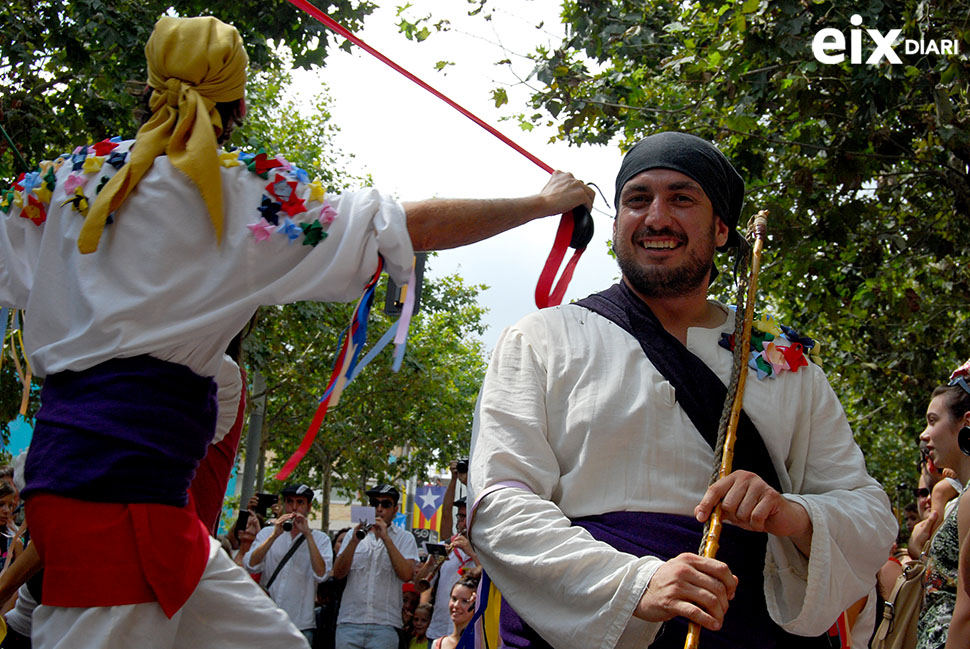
x=343, y=370
x=347, y=366
x=546, y=295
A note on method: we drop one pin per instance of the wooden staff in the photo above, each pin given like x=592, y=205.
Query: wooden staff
x=728, y=433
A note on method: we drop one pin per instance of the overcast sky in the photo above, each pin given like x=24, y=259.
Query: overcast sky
x=415, y=146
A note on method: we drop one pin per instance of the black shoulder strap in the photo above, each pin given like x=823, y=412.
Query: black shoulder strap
x=286, y=557
x=698, y=389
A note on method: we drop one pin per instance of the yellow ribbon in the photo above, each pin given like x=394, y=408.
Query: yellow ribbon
x=193, y=63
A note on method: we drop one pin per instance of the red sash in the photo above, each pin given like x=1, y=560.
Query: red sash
x=111, y=554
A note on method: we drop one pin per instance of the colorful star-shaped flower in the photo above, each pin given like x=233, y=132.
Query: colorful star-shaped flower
x=18, y=199
x=117, y=159
x=42, y=193
x=815, y=353
x=285, y=191
x=768, y=325
x=762, y=367
x=260, y=164
x=29, y=181
x=104, y=147
x=104, y=181
x=313, y=233
x=281, y=188
x=50, y=178
x=776, y=356
x=229, y=159
x=295, y=205
x=796, y=337
x=327, y=215
x=316, y=190
x=92, y=164
x=292, y=230
x=6, y=201
x=759, y=338
x=78, y=157
x=300, y=174
x=34, y=210
x=794, y=356
x=270, y=210
x=284, y=163
x=74, y=180
x=79, y=202
x=262, y=230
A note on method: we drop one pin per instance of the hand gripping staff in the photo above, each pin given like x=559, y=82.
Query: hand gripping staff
x=728, y=428
x=575, y=228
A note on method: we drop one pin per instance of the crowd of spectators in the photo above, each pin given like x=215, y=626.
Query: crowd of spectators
x=365, y=587
x=935, y=531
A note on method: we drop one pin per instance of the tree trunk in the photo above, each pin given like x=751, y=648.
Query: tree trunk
x=326, y=466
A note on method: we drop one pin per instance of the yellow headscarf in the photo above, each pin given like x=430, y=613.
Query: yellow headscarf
x=192, y=64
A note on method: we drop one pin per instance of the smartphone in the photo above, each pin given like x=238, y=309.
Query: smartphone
x=242, y=521
x=437, y=549
x=265, y=501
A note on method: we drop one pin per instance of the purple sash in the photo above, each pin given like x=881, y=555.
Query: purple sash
x=746, y=625
x=130, y=430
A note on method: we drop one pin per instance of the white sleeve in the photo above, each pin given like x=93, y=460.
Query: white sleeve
x=261, y=536
x=853, y=528
x=572, y=589
x=230, y=387
x=367, y=223
x=326, y=551
x=20, y=241
x=408, y=547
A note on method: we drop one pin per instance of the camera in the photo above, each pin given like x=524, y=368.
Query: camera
x=463, y=465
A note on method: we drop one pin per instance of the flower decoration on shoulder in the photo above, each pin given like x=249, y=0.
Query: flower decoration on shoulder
x=33, y=190
x=775, y=348
x=283, y=208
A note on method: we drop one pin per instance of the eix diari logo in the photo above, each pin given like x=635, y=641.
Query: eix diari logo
x=828, y=46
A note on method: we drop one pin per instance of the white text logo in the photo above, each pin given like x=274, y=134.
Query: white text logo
x=828, y=46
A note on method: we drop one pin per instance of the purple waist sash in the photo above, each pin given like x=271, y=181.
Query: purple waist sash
x=130, y=430
x=746, y=625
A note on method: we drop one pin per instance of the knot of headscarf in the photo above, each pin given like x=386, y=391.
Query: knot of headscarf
x=193, y=63
x=173, y=92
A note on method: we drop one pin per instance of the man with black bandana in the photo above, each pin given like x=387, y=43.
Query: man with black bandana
x=592, y=450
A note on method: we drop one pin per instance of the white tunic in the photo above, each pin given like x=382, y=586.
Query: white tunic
x=572, y=408
x=160, y=284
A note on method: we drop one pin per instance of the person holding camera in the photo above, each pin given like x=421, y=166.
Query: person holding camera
x=375, y=560
x=460, y=556
x=292, y=567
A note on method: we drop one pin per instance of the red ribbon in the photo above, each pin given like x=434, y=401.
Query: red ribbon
x=545, y=294
x=342, y=365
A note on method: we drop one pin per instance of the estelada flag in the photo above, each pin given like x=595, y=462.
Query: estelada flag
x=427, y=507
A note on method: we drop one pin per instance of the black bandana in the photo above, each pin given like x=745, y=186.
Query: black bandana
x=694, y=157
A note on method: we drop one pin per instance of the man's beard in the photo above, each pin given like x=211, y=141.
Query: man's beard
x=657, y=281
